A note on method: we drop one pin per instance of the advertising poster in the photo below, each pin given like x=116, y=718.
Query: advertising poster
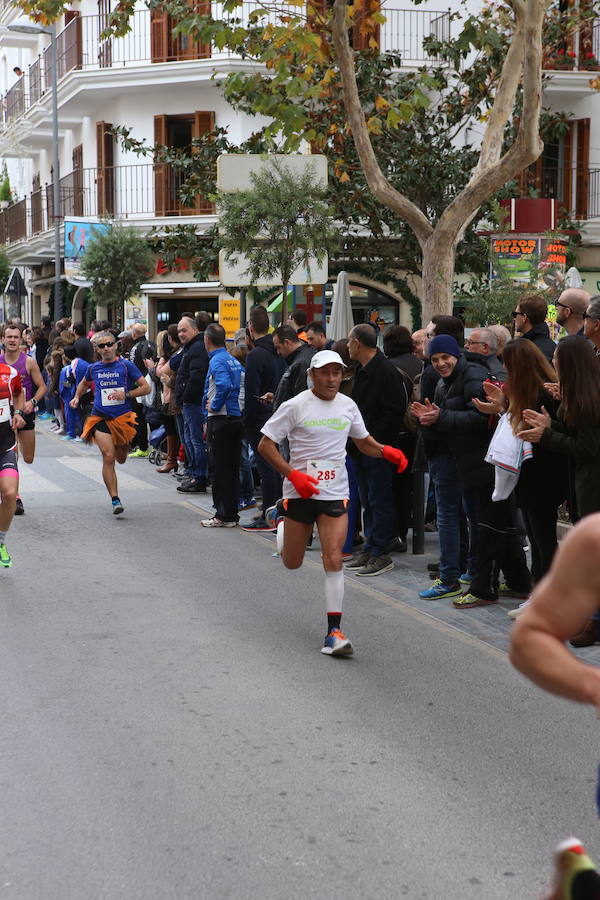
x=136, y=311
x=229, y=315
x=538, y=260
x=77, y=237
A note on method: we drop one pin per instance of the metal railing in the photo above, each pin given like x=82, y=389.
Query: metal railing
x=577, y=189
x=80, y=45
x=125, y=192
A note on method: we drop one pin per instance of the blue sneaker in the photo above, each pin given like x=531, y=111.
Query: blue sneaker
x=337, y=644
x=439, y=590
x=117, y=507
x=247, y=504
x=43, y=416
x=465, y=578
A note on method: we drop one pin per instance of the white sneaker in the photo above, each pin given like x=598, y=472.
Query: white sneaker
x=217, y=523
x=515, y=613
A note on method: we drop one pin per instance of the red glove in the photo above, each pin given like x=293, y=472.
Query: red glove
x=305, y=484
x=395, y=456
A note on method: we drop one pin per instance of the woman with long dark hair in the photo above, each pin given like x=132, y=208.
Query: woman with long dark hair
x=575, y=431
x=542, y=484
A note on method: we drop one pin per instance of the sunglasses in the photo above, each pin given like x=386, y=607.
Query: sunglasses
x=103, y=346
x=516, y=312
x=564, y=305
x=588, y=316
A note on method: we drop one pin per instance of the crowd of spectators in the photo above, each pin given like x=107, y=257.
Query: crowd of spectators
x=437, y=395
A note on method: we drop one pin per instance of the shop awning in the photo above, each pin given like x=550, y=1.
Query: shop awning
x=276, y=303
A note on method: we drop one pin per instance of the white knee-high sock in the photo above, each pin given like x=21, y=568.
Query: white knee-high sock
x=334, y=591
x=279, y=538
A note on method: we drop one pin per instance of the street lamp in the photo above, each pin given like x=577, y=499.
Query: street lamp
x=26, y=26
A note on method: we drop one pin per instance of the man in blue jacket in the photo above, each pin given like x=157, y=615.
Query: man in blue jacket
x=224, y=429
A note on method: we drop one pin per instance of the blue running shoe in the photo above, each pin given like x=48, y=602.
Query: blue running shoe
x=337, y=644
x=439, y=590
x=117, y=507
x=465, y=578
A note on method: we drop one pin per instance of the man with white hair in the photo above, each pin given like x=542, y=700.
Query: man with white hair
x=317, y=423
x=482, y=346
x=503, y=336
x=591, y=323
x=570, y=308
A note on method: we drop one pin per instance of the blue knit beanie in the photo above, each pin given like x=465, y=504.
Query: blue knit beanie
x=444, y=343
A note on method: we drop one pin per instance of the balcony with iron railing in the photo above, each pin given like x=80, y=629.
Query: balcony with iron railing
x=130, y=193
x=81, y=47
x=576, y=188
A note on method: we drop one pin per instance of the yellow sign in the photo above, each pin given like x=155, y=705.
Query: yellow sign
x=229, y=315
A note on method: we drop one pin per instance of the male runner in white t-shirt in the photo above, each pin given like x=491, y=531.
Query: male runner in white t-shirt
x=317, y=424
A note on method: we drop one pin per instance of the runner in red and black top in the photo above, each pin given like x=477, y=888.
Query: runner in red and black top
x=34, y=387
x=12, y=400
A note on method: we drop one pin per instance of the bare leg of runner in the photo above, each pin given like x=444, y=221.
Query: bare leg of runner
x=295, y=536
x=9, y=488
x=27, y=445
x=107, y=449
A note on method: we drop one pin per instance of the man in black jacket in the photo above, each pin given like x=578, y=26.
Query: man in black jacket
x=482, y=347
x=189, y=390
x=530, y=322
x=297, y=356
x=264, y=369
x=466, y=430
x=380, y=394
x=83, y=346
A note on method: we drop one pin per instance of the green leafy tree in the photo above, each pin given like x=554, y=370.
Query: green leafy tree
x=117, y=263
x=6, y=268
x=279, y=224
x=307, y=72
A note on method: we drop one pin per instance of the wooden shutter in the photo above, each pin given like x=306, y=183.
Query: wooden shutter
x=203, y=51
x=161, y=174
x=159, y=35
x=566, y=204
x=105, y=180
x=583, y=168
x=204, y=123
x=362, y=34
x=71, y=47
x=78, y=180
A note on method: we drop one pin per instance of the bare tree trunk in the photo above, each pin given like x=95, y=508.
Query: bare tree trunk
x=438, y=276
x=284, y=304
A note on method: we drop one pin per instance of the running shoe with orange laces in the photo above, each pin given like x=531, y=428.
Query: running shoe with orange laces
x=337, y=644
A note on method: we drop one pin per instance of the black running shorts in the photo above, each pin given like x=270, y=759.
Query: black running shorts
x=29, y=422
x=8, y=462
x=308, y=511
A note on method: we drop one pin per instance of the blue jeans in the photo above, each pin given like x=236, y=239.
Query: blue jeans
x=246, y=479
x=374, y=478
x=193, y=424
x=448, y=498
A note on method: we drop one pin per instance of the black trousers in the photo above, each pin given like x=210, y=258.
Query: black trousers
x=540, y=523
x=141, y=436
x=499, y=546
x=270, y=479
x=224, y=444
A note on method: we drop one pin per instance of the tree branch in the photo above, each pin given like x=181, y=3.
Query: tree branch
x=510, y=77
x=526, y=147
x=378, y=183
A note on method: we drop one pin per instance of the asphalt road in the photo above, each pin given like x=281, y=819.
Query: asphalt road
x=170, y=729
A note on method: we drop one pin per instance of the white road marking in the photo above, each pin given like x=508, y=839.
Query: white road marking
x=30, y=482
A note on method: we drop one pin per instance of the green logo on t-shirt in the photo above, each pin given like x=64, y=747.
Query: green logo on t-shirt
x=334, y=424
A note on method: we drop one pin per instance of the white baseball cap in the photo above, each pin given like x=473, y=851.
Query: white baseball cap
x=324, y=358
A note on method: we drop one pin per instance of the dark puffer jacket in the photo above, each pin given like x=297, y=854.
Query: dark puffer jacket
x=466, y=430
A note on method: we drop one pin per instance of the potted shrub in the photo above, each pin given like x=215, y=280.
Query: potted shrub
x=5, y=192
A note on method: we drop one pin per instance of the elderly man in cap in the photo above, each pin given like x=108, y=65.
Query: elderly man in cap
x=317, y=424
